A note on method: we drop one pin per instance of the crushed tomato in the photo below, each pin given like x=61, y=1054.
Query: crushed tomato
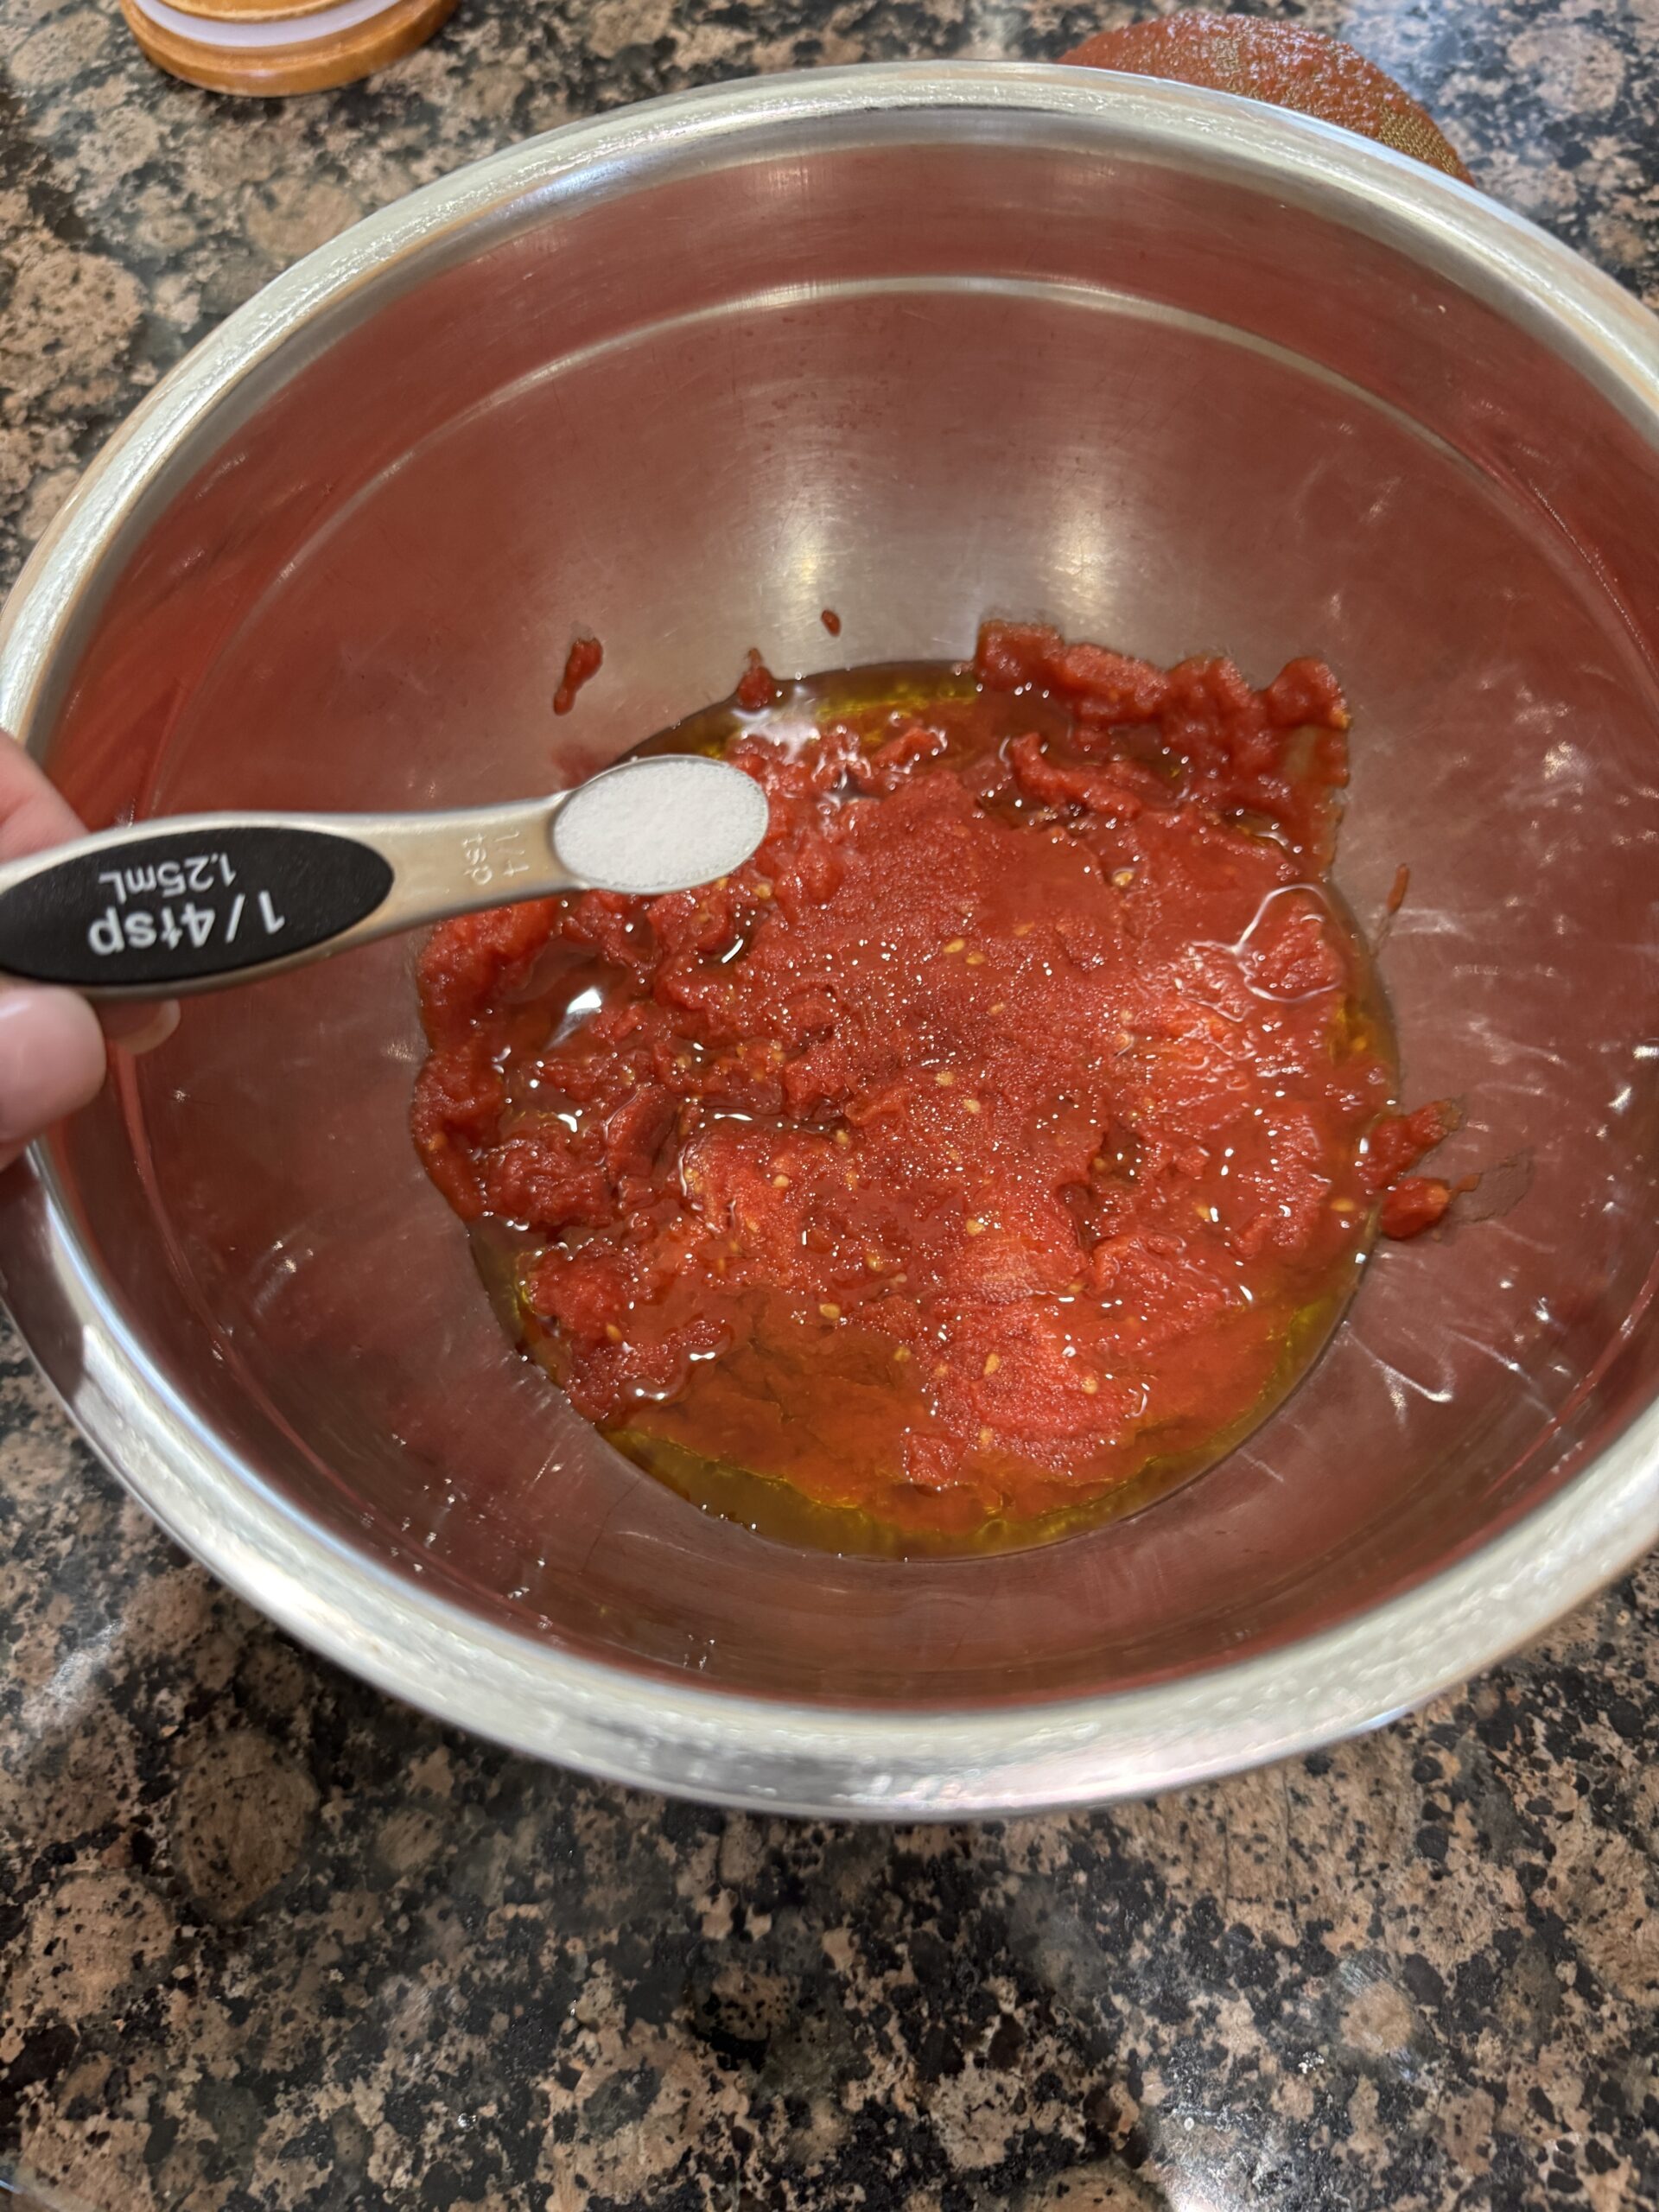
x=581, y=664
x=1011, y=1127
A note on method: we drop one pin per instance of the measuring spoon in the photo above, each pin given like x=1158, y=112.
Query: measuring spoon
x=198, y=902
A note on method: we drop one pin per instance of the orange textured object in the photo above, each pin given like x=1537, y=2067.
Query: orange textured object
x=1283, y=64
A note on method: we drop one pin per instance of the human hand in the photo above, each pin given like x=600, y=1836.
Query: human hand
x=53, y=1056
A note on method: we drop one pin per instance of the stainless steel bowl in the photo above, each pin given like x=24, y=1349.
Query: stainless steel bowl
x=915, y=343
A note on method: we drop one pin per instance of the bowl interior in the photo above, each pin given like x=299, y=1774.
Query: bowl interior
x=918, y=367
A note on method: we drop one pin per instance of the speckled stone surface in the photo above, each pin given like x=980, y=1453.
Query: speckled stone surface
x=268, y=1941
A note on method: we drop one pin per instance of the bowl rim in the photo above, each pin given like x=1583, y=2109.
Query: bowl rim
x=678, y=1736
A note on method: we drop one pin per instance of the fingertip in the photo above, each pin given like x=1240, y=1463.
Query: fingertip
x=52, y=1060
x=140, y=1028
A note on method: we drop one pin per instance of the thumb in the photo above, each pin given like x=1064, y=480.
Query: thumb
x=51, y=1061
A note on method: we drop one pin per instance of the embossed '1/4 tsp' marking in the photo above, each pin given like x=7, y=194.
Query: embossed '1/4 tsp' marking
x=486, y=857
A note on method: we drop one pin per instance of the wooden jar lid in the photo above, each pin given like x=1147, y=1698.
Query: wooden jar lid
x=280, y=46
x=1286, y=64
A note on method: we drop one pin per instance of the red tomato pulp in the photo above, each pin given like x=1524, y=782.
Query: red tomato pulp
x=1005, y=1137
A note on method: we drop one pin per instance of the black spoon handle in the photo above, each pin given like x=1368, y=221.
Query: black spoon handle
x=198, y=902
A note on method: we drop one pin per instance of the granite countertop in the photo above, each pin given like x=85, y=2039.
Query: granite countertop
x=269, y=1941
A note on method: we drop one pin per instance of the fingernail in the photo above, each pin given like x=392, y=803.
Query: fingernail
x=51, y=1059
x=140, y=1028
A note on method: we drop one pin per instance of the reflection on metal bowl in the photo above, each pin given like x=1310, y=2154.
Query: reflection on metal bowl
x=919, y=343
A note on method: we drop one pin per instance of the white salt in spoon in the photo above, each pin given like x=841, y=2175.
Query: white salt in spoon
x=197, y=902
